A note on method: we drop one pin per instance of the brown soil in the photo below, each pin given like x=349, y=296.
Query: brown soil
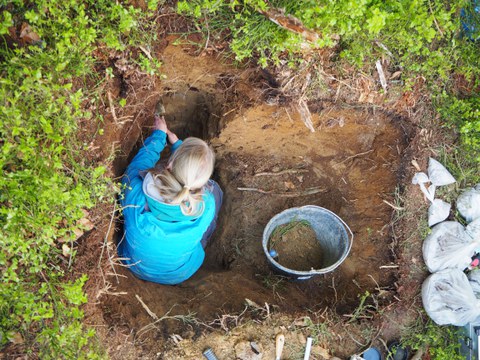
x=267, y=161
x=296, y=246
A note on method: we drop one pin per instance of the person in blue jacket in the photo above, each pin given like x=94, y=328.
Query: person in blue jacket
x=169, y=212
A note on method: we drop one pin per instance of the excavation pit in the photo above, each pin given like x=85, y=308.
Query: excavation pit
x=268, y=161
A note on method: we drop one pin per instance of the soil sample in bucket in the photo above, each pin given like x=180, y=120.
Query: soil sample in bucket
x=296, y=246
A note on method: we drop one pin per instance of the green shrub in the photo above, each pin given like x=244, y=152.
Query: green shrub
x=440, y=342
x=465, y=115
x=365, y=28
x=46, y=179
x=422, y=38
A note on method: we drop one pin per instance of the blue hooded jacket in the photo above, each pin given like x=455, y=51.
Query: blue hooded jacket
x=161, y=244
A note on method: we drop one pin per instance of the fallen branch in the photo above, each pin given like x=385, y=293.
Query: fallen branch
x=388, y=267
x=356, y=155
x=381, y=75
x=282, y=172
x=112, y=107
x=398, y=208
x=146, y=52
x=305, y=114
x=291, y=23
x=188, y=319
x=310, y=191
x=149, y=312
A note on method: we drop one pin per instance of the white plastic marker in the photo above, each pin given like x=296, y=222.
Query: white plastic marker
x=308, y=348
x=279, y=342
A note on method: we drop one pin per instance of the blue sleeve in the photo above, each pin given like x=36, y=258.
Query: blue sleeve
x=176, y=145
x=146, y=157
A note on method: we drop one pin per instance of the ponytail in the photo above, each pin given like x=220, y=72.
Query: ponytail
x=188, y=171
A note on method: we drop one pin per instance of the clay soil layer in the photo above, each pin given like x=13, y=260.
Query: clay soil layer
x=267, y=161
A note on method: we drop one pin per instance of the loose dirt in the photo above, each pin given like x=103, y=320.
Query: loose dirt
x=267, y=161
x=296, y=246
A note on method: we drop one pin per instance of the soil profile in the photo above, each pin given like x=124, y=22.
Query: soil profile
x=267, y=161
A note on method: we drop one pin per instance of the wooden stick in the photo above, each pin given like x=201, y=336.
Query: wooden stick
x=112, y=107
x=290, y=23
x=356, y=155
x=381, y=75
x=282, y=172
x=310, y=191
x=398, y=208
x=149, y=312
x=305, y=114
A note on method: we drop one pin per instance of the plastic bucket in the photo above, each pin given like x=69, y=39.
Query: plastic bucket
x=334, y=236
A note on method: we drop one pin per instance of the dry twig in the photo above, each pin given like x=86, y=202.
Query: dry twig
x=381, y=75
x=356, y=155
x=282, y=172
x=398, y=208
x=305, y=114
x=310, y=191
x=147, y=309
x=112, y=107
x=290, y=23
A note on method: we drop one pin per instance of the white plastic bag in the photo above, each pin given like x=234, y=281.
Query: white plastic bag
x=438, y=174
x=438, y=211
x=448, y=298
x=468, y=204
x=474, y=279
x=449, y=247
x=421, y=179
x=473, y=229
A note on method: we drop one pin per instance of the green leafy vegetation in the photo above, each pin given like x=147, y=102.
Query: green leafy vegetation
x=47, y=181
x=440, y=342
x=422, y=39
x=464, y=114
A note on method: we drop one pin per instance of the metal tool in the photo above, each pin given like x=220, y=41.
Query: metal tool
x=279, y=342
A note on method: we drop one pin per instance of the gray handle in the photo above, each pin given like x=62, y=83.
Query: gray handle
x=209, y=354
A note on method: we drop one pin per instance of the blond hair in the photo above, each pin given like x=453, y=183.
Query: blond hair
x=187, y=172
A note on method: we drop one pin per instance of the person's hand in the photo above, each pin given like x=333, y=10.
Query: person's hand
x=172, y=138
x=160, y=124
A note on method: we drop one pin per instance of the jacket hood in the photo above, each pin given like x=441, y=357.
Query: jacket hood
x=158, y=207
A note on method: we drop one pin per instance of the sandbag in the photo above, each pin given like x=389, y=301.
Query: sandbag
x=473, y=229
x=474, y=279
x=421, y=179
x=438, y=211
x=448, y=298
x=448, y=247
x=438, y=174
x=468, y=204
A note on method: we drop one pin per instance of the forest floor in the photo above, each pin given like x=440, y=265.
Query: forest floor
x=357, y=163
